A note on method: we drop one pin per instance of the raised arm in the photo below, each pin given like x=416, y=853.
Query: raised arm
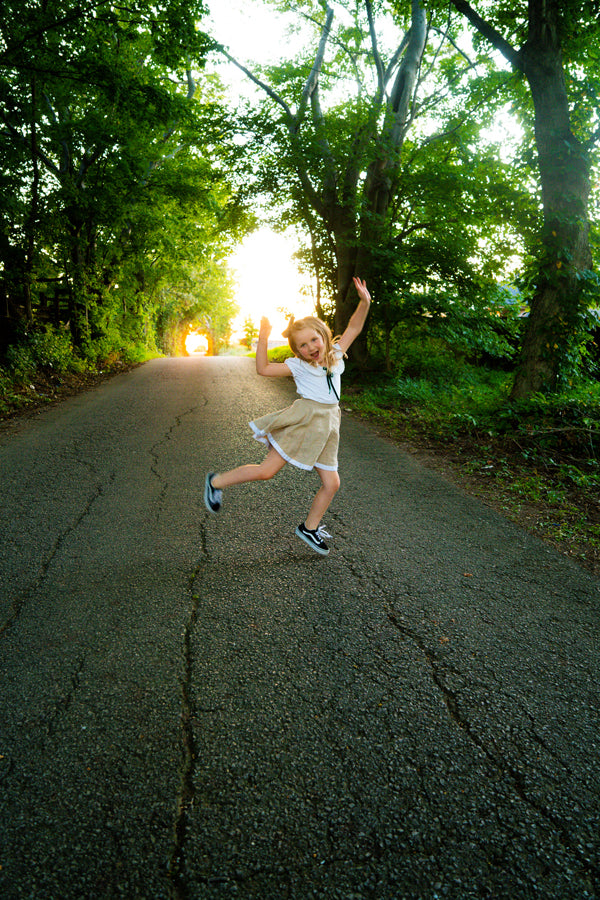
x=263, y=366
x=358, y=317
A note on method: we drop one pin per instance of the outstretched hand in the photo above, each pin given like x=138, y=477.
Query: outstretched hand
x=361, y=289
x=265, y=327
x=358, y=317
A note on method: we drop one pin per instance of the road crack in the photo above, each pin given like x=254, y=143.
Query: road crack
x=493, y=755
x=63, y=703
x=186, y=792
x=154, y=455
x=19, y=602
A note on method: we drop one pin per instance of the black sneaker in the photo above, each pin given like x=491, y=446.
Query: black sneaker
x=314, y=539
x=213, y=497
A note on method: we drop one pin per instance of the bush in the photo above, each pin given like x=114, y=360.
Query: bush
x=569, y=421
x=7, y=392
x=429, y=360
x=280, y=354
x=20, y=362
x=50, y=348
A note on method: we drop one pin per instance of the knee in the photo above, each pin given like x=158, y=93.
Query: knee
x=332, y=485
x=265, y=473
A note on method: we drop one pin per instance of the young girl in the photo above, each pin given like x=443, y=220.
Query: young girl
x=305, y=434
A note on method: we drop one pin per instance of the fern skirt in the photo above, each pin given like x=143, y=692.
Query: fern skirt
x=306, y=434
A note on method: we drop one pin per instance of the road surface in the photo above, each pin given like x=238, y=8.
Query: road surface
x=199, y=706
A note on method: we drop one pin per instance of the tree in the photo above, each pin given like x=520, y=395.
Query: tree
x=346, y=162
x=172, y=268
x=113, y=145
x=542, y=33
x=439, y=272
x=250, y=332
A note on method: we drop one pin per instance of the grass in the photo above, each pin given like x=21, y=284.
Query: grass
x=538, y=461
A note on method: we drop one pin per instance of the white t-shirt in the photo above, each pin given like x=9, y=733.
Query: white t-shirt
x=311, y=381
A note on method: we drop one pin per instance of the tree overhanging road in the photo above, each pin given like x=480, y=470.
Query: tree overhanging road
x=199, y=706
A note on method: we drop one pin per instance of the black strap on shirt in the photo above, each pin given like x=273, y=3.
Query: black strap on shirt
x=330, y=384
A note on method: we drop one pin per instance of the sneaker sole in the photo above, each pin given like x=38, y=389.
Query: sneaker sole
x=206, y=500
x=310, y=544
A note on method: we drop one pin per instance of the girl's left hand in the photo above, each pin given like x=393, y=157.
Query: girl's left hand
x=361, y=289
x=265, y=327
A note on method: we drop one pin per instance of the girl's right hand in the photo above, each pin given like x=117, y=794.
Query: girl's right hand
x=265, y=327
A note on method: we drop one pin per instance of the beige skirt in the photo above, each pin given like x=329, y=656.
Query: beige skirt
x=306, y=434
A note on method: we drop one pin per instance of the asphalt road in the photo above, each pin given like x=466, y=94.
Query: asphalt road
x=198, y=706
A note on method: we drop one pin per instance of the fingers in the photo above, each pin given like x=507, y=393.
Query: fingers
x=361, y=287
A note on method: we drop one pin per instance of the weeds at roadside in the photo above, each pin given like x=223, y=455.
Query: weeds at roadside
x=43, y=366
x=537, y=461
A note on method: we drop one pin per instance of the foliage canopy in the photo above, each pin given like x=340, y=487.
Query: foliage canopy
x=118, y=211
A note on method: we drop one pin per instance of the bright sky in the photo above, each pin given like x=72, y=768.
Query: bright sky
x=267, y=277
x=268, y=281
x=249, y=29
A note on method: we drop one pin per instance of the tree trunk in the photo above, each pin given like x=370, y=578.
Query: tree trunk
x=356, y=244
x=33, y=208
x=346, y=299
x=556, y=306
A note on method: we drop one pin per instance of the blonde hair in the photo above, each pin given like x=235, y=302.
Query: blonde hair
x=297, y=325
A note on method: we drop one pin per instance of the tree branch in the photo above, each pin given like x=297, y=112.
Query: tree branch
x=489, y=32
x=394, y=60
x=313, y=77
x=343, y=47
x=261, y=84
x=375, y=49
x=406, y=78
x=294, y=120
x=324, y=146
x=446, y=36
x=22, y=139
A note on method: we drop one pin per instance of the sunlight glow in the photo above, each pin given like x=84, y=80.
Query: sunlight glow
x=269, y=283
x=196, y=343
x=245, y=26
x=267, y=278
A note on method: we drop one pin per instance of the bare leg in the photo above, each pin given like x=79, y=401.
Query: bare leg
x=270, y=466
x=330, y=482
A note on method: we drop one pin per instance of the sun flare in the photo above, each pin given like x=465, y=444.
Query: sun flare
x=196, y=343
x=269, y=283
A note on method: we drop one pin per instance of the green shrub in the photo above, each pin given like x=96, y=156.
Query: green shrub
x=430, y=361
x=47, y=348
x=20, y=362
x=7, y=392
x=52, y=348
x=280, y=354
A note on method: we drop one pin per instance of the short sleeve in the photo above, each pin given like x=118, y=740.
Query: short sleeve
x=293, y=364
x=339, y=360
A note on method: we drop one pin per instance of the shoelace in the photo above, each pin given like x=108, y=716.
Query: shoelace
x=321, y=533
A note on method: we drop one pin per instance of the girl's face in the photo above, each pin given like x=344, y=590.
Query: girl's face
x=310, y=346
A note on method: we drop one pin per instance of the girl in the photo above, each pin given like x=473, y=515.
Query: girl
x=306, y=434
